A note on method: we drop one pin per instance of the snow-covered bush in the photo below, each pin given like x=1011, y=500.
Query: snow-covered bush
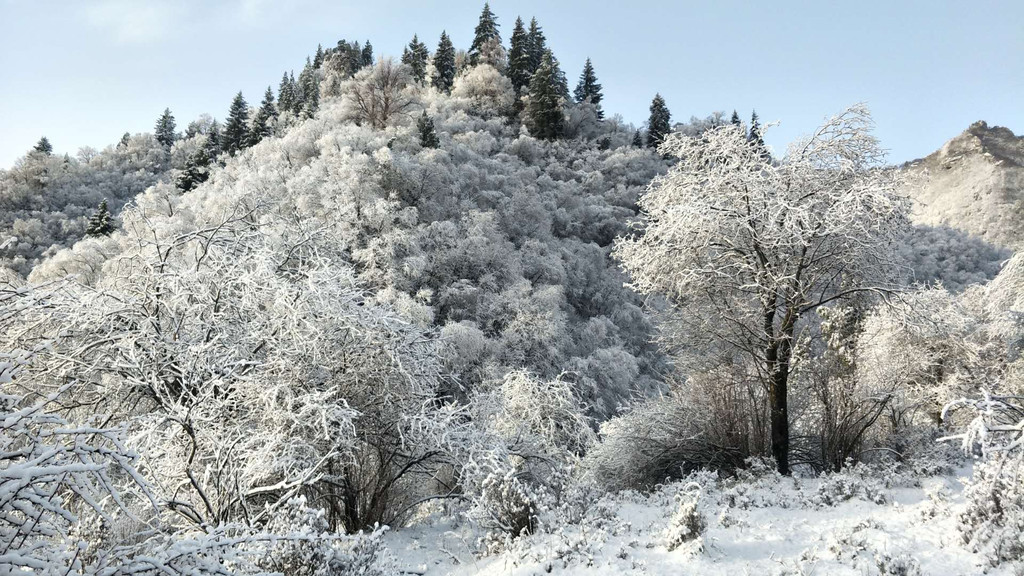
x=688, y=523
x=858, y=481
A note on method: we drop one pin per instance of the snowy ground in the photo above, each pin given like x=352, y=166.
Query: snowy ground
x=765, y=526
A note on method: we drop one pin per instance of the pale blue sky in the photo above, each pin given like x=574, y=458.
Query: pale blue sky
x=84, y=72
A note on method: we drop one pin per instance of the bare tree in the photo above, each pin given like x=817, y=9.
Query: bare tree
x=376, y=95
x=745, y=248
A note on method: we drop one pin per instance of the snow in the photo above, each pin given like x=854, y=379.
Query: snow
x=625, y=534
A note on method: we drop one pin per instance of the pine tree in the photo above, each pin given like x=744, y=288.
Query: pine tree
x=43, y=146
x=537, y=46
x=588, y=89
x=100, y=223
x=755, y=138
x=236, y=131
x=285, y=94
x=309, y=85
x=428, y=137
x=444, y=64
x=298, y=98
x=318, y=58
x=638, y=141
x=415, y=56
x=213, y=140
x=125, y=139
x=165, y=129
x=544, y=110
x=261, y=122
x=366, y=56
x=486, y=29
x=736, y=120
x=519, y=58
x=197, y=169
x=658, y=124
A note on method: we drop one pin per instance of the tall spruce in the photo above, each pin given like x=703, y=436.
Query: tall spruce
x=100, y=224
x=755, y=138
x=638, y=141
x=44, y=146
x=658, y=124
x=309, y=85
x=164, y=129
x=444, y=64
x=318, y=58
x=366, y=55
x=415, y=56
x=588, y=89
x=236, y=131
x=261, y=127
x=519, y=72
x=735, y=120
x=537, y=45
x=213, y=140
x=486, y=29
x=428, y=136
x=545, y=108
x=285, y=94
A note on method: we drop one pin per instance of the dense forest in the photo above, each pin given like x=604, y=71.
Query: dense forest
x=449, y=293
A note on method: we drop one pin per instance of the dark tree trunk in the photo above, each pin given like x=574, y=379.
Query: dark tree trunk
x=778, y=356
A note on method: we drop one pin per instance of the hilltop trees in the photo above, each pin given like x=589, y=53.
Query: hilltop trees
x=415, y=56
x=545, y=114
x=261, y=127
x=236, y=131
x=519, y=71
x=746, y=250
x=43, y=146
x=486, y=32
x=378, y=94
x=588, y=90
x=444, y=64
x=164, y=130
x=658, y=124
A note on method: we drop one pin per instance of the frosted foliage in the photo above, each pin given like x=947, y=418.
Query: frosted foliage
x=487, y=91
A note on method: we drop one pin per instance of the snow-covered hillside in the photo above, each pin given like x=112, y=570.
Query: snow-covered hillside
x=974, y=183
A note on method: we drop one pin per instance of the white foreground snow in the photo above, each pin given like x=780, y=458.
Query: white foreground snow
x=767, y=526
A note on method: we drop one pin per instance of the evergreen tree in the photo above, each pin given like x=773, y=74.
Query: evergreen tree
x=486, y=29
x=285, y=94
x=537, y=45
x=755, y=137
x=366, y=56
x=236, y=131
x=43, y=146
x=519, y=71
x=261, y=122
x=197, y=169
x=415, y=56
x=165, y=129
x=309, y=85
x=638, y=141
x=736, y=120
x=100, y=223
x=213, y=140
x=658, y=125
x=428, y=137
x=588, y=89
x=544, y=110
x=298, y=98
x=318, y=58
x=444, y=64
x=125, y=139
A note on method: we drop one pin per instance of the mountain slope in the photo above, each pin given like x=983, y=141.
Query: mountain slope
x=974, y=183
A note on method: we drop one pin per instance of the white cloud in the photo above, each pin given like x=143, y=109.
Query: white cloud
x=136, y=21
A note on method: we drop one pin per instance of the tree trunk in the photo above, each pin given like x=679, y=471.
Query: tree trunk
x=778, y=356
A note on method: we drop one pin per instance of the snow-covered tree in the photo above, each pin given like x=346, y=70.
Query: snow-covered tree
x=745, y=249
x=519, y=70
x=379, y=94
x=486, y=31
x=100, y=224
x=444, y=64
x=658, y=126
x=588, y=89
x=236, y=130
x=545, y=108
x=43, y=146
x=415, y=56
x=164, y=130
x=428, y=137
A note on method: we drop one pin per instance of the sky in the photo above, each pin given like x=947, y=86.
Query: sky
x=84, y=72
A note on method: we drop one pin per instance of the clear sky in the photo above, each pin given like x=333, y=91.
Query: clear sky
x=84, y=72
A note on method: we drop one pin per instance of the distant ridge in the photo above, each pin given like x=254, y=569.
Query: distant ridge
x=974, y=183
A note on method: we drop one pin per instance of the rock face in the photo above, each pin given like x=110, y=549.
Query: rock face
x=974, y=183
